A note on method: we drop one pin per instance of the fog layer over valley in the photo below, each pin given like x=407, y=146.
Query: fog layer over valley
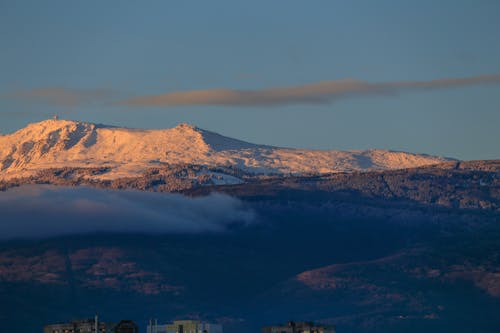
x=46, y=211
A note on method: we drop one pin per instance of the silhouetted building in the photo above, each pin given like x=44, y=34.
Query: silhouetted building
x=184, y=326
x=81, y=326
x=299, y=327
x=92, y=326
x=126, y=326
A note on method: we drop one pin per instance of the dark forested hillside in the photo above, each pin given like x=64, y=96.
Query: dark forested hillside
x=361, y=262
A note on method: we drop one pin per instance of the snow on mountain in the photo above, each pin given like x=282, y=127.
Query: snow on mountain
x=129, y=152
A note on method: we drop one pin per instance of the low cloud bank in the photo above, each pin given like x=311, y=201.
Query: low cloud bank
x=38, y=211
x=314, y=93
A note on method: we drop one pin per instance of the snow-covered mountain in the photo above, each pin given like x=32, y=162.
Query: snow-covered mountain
x=130, y=152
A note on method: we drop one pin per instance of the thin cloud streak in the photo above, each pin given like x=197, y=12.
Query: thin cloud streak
x=316, y=93
x=58, y=96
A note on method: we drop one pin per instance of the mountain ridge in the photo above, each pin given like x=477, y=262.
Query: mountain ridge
x=127, y=152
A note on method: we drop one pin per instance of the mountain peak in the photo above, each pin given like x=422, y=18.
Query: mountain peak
x=56, y=143
x=186, y=126
x=53, y=122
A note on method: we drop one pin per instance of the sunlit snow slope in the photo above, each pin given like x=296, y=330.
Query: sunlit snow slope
x=129, y=152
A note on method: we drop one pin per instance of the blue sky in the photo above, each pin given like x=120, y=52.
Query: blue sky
x=85, y=60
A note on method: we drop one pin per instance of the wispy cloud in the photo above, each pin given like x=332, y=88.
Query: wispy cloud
x=58, y=96
x=37, y=211
x=314, y=93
